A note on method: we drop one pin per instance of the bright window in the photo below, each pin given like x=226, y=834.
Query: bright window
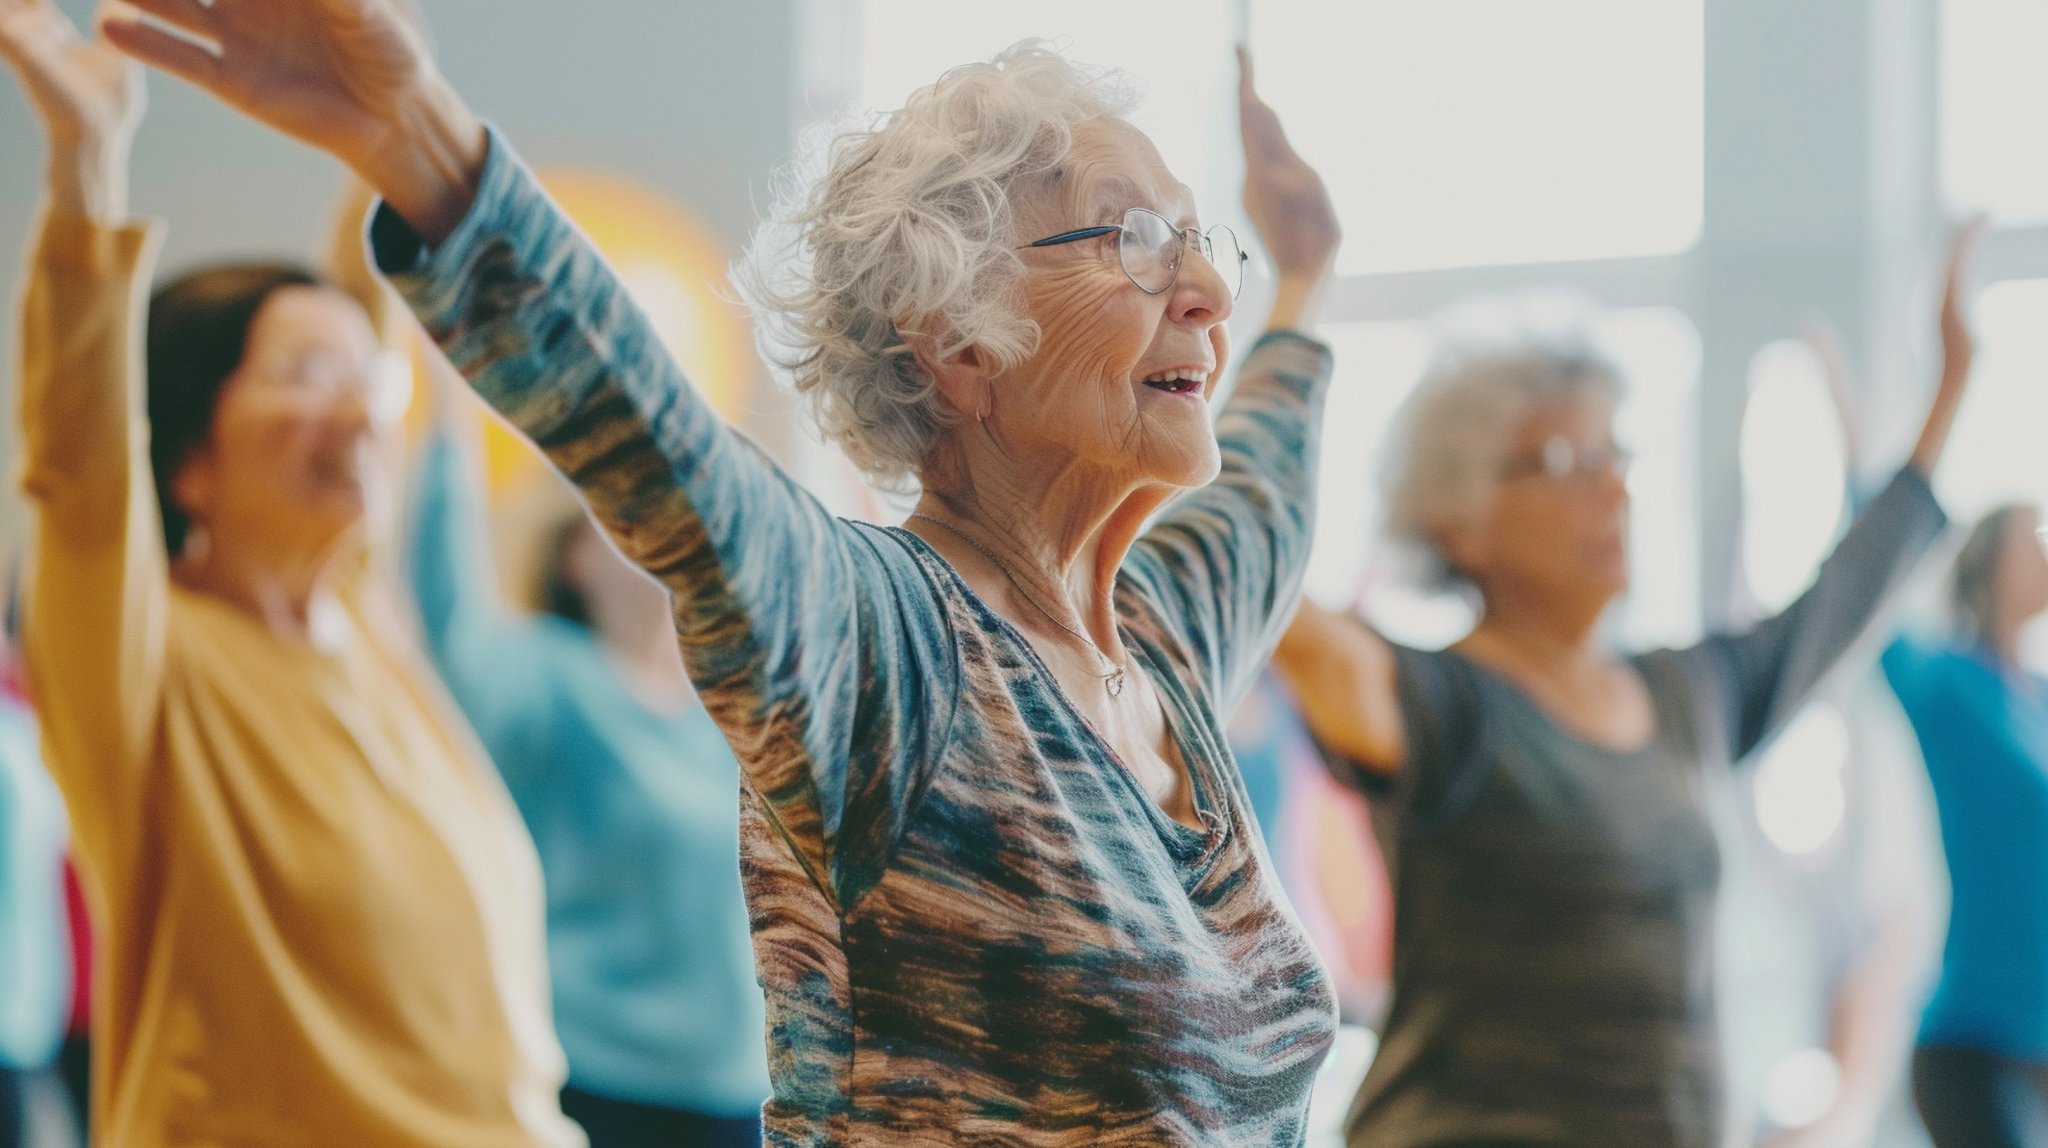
x=1658, y=350
x=1461, y=133
x=1991, y=80
x=1377, y=365
x=1801, y=789
x=1794, y=473
x=1179, y=51
x=1996, y=453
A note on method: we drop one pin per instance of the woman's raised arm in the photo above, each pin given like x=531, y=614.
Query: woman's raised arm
x=1766, y=674
x=98, y=583
x=811, y=641
x=1230, y=556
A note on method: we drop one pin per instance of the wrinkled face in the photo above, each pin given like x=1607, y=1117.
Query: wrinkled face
x=2022, y=578
x=294, y=457
x=1557, y=528
x=612, y=585
x=1121, y=381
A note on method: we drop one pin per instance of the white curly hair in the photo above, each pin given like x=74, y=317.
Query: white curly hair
x=905, y=221
x=1452, y=435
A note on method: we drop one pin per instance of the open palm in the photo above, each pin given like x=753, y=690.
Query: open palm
x=336, y=74
x=84, y=89
x=1958, y=340
x=1283, y=195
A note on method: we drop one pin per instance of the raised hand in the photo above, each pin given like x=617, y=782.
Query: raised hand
x=1958, y=341
x=90, y=99
x=1283, y=195
x=1958, y=347
x=85, y=91
x=351, y=77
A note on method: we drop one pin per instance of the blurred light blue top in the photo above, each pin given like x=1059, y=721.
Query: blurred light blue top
x=35, y=946
x=1264, y=732
x=635, y=814
x=1985, y=738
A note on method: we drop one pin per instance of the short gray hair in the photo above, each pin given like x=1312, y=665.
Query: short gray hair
x=904, y=220
x=1451, y=436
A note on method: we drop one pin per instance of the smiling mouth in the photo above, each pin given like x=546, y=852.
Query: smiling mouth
x=1180, y=381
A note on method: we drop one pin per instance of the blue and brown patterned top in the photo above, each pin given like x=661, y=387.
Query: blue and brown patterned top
x=972, y=925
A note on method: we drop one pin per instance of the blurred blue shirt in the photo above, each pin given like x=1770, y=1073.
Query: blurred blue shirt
x=1985, y=738
x=35, y=947
x=636, y=817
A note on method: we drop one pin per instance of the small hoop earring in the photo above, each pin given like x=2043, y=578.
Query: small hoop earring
x=196, y=544
x=988, y=407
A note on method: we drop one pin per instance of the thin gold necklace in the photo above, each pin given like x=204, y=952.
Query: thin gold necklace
x=1113, y=681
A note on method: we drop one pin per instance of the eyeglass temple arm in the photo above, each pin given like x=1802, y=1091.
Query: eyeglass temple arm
x=1076, y=236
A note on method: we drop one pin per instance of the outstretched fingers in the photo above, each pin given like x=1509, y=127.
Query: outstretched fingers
x=1265, y=140
x=32, y=27
x=192, y=16
x=125, y=27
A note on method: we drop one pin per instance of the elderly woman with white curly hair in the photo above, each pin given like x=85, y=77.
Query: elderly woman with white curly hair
x=1538, y=795
x=1003, y=884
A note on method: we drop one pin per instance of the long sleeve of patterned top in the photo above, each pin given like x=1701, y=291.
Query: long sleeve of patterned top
x=811, y=639
x=1227, y=560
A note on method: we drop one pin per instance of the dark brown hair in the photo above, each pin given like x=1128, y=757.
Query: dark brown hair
x=199, y=326
x=557, y=594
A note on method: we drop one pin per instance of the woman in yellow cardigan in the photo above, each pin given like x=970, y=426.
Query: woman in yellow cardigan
x=321, y=915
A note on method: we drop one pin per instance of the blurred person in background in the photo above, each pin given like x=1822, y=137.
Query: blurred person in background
x=35, y=950
x=1540, y=797
x=630, y=792
x=1980, y=1073
x=319, y=913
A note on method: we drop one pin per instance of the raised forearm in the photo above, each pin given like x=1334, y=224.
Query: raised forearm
x=431, y=164
x=96, y=582
x=1297, y=303
x=1342, y=677
x=87, y=179
x=1958, y=351
x=1941, y=419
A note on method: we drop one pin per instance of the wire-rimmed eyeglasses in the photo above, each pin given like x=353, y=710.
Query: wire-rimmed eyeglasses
x=1152, y=249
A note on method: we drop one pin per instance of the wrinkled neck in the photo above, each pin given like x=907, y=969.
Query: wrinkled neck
x=1056, y=533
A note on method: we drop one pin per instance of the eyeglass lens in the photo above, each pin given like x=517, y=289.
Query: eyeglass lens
x=1151, y=249
x=1563, y=459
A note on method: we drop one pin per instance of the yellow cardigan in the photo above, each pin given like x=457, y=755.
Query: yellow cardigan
x=320, y=916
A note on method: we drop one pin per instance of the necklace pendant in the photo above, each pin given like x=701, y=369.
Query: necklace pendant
x=1115, y=683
